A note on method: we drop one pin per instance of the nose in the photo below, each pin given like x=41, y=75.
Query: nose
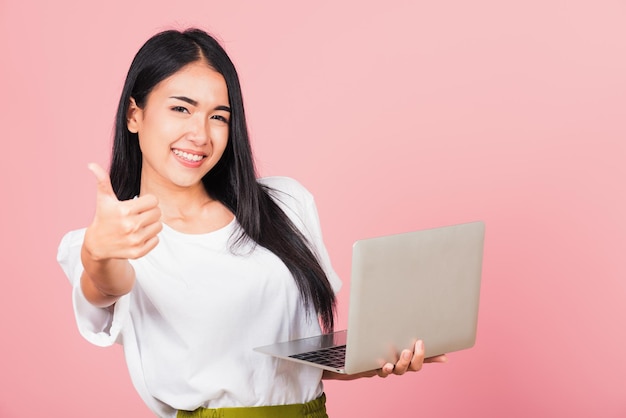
x=198, y=130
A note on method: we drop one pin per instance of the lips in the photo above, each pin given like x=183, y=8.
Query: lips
x=188, y=156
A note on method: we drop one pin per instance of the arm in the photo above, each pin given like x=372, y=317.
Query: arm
x=107, y=281
x=410, y=360
x=121, y=230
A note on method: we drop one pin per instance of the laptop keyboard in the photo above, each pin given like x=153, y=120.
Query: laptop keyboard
x=332, y=356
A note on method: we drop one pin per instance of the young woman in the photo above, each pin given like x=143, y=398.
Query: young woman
x=191, y=261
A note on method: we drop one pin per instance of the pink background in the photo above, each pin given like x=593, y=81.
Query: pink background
x=397, y=115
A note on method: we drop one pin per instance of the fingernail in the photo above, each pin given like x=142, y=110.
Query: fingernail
x=406, y=355
x=420, y=345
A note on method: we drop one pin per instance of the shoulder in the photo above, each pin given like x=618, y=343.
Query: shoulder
x=286, y=190
x=290, y=195
x=283, y=184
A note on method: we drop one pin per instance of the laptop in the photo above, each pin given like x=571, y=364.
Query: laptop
x=404, y=287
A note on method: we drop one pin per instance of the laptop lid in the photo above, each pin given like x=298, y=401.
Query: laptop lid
x=415, y=285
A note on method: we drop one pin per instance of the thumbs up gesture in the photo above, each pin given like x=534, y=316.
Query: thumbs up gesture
x=121, y=229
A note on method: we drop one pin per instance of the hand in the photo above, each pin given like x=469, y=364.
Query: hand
x=410, y=360
x=121, y=229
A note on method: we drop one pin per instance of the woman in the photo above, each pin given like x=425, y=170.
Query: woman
x=191, y=261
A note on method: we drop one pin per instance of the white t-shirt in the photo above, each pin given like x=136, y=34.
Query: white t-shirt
x=197, y=310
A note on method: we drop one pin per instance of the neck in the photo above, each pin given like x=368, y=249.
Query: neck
x=188, y=209
x=176, y=202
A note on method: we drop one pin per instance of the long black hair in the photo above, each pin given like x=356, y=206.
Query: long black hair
x=233, y=180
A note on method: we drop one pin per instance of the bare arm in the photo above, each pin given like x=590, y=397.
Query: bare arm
x=102, y=291
x=121, y=230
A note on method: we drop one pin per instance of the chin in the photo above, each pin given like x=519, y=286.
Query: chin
x=185, y=183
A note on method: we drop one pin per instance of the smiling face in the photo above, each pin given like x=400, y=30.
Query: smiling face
x=183, y=127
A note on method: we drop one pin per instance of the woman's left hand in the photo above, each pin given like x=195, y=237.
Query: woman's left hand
x=409, y=361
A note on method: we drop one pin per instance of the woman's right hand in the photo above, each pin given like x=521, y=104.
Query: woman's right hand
x=121, y=230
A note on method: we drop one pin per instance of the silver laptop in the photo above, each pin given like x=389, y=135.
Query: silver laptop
x=415, y=285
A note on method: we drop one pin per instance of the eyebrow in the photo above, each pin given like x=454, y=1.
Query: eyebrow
x=195, y=103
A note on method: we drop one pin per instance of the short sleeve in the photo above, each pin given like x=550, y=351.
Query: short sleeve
x=99, y=326
x=299, y=204
x=314, y=228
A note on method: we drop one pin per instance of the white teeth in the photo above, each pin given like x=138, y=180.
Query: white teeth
x=187, y=156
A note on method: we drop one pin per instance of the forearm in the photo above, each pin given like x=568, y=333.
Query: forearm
x=103, y=282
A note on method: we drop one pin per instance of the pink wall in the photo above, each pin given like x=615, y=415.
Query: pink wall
x=397, y=115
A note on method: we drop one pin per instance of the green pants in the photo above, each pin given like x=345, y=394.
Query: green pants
x=314, y=409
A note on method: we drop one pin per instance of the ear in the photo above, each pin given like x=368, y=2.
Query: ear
x=133, y=116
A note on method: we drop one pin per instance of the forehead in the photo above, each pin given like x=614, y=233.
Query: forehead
x=196, y=80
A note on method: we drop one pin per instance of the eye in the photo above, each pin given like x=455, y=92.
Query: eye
x=180, y=109
x=220, y=118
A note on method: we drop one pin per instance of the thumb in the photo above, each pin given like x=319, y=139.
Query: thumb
x=104, y=182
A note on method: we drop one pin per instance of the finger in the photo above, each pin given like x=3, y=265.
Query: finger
x=148, y=246
x=418, y=356
x=102, y=177
x=402, y=365
x=142, y=249
x=144, y=219
x=142, y=204
x=152, y=229
x=148, y=218
x=386, y=370
x=141, y=240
